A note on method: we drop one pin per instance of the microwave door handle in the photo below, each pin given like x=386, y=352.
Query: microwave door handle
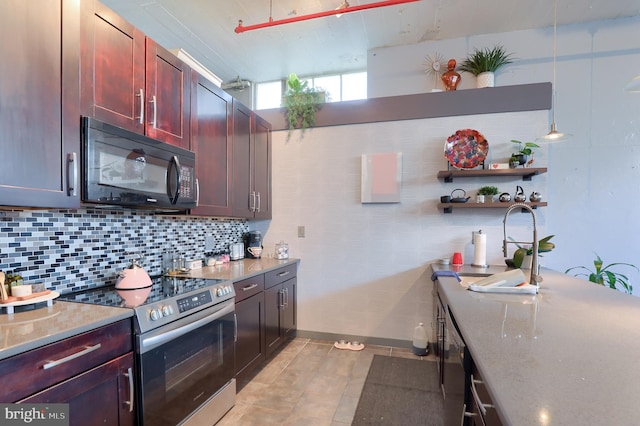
x=173, y=164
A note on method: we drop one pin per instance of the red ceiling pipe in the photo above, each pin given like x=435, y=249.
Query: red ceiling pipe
x=272, y=23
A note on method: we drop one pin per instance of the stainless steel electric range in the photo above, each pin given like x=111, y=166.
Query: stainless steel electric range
x=185, y=333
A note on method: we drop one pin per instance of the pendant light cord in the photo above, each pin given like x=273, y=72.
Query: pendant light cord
x=555, y=54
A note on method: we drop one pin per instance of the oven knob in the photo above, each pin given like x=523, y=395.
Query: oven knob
x=219, y=292
x=167, y=310
x=155, y=314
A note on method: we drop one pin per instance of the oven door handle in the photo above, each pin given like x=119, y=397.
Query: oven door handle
x=155, y=340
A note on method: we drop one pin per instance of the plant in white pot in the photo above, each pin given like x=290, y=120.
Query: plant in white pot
x=483, y=63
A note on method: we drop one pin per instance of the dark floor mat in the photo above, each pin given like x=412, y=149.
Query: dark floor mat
x=400, y=391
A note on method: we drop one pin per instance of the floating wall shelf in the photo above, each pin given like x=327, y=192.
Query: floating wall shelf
x=526, y=173
x=448, y=207
x=489, y=100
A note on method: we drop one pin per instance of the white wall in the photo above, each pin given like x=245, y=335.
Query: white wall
x=362, y=265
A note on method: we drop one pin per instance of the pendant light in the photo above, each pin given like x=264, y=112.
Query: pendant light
x=554, y=135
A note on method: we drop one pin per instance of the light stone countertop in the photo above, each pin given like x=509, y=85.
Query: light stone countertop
x=23, y=331
x=240, y=269
x=566, y=356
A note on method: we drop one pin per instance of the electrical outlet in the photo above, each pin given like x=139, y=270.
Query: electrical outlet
x=301, y=231
x=209, y=243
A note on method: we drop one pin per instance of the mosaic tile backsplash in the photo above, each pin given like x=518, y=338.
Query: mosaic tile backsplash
x=70, y=250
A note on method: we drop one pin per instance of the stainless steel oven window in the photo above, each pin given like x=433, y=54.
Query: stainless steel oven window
x=180, y=374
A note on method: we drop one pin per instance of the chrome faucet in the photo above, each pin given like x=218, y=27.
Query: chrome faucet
x=535, y=278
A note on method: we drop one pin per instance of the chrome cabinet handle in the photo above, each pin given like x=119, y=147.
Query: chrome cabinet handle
x=465, y=413
x=129, y=375
x=85, y=351
x=286, y=294
x=197, y=192
x=249, y=287
x=252, y=207
x=235, y=327
x=259, y=203
x=283, y=273
x=155, y=111
x=140, y=95
x=483, y=407
x=72, y=174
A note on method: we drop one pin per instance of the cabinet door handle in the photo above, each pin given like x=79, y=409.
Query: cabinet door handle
x=286, y=295
x=72, y=174
x=283, y=273
x=253, y=201
x=197, y=192
x=141, y=96
x=235, y=328
x=86, y=350
x=281, y=301
x=155, y=111
x=249, y=287
x=129, y=375
x=483, y=407
x=259, y=203
x=465, y=413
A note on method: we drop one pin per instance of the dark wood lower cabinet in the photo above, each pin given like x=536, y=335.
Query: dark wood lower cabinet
x=280, y=313
x=101, y=396
x=250, y=344
x=265, y=314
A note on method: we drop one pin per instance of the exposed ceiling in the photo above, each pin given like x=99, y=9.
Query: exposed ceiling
x=205, y=29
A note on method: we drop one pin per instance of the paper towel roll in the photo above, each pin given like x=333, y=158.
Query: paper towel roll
x=479, y=249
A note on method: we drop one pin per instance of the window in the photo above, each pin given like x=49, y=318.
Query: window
x=269, y=95
x=339, y=87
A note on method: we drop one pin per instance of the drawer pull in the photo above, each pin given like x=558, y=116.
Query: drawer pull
x=483, y=407
x=129, y=375
x=250, y=287
x=283, y=273
x=86, y=350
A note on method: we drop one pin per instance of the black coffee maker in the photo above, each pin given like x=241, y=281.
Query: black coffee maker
x=252, y=244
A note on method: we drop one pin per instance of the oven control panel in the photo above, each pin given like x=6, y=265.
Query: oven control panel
x=194, y=301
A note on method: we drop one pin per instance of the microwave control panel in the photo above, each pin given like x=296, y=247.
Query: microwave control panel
x=186, y=182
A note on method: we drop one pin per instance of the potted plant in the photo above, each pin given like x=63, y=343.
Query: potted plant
x=483, y=63
x=521, y=156
x=520, y=259
x=489, y=192
x=604, y=275
x=301, y=102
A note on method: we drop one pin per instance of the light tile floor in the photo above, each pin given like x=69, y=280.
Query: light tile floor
x=308, y=383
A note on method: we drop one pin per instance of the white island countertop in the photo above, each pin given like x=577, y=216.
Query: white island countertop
x=569, y=355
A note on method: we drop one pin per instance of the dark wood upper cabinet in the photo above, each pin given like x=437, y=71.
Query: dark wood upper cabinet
x=39, y=122
x=251, y=164
x=211, y=137
x=128, y=80
x=262, y=166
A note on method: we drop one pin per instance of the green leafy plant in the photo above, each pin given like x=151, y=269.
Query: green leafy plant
x=525, y=149
x=544, y=246
x=302, y=103
x=486, y=60
x=488, y=190
x=604, y=275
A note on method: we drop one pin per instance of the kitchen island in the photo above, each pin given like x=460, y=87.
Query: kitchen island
x=566, y=356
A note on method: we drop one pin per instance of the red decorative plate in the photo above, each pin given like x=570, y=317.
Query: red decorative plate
x=466, y=149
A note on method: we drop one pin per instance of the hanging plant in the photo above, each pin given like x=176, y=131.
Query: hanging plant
x=302, y=103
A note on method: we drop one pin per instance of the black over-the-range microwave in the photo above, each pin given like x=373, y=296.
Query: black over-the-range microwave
x=123, y=168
